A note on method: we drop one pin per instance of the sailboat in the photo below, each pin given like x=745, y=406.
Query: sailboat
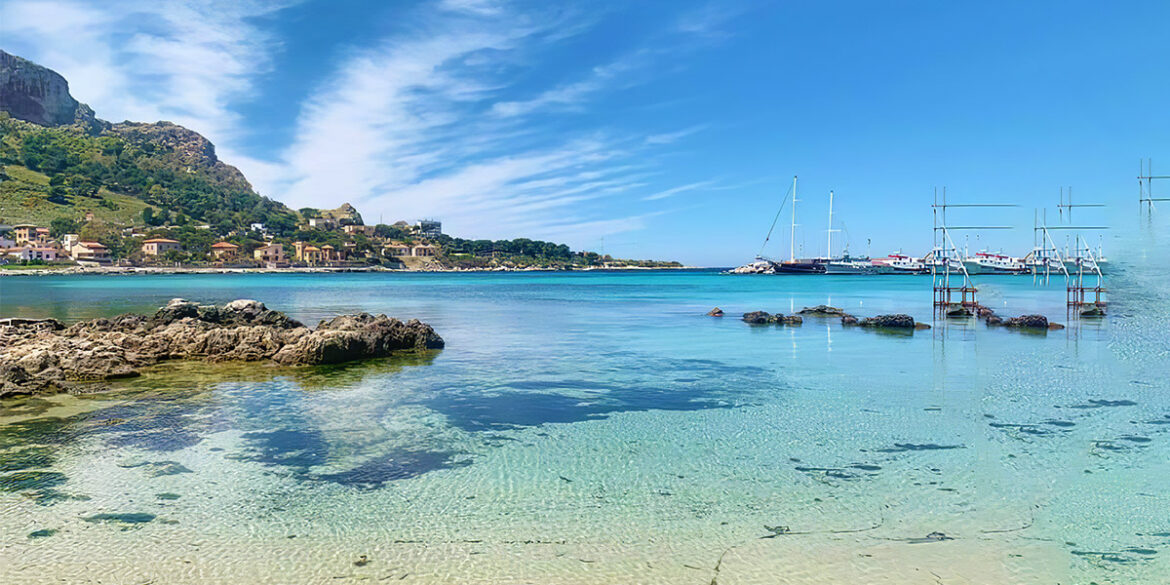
x=845, y=264
x=793, y=265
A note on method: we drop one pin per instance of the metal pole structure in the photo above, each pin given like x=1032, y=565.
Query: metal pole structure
x=1146, y=178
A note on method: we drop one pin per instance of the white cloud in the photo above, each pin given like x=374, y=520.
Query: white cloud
x=186, y=62
x=401, y=130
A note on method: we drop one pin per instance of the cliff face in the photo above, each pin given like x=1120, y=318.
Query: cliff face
x=182, y=150
x=36, y=94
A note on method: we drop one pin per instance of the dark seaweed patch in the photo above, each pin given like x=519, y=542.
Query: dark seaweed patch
x=167, y=496
x=400, y=465
x=30, y=480
x=511, y=410
x=821, y=473
x=1096, y=403
x=302, y=450
x=1027, y=429
x=43, y=533
x=903, y=447
x=30, y=458
x=287, y=447
x=158, y=468
x=128, y=520
x=1064, y=424
x=24, y=406
x=1134, y=439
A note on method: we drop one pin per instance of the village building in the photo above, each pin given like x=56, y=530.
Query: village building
x=224, y=250
x=24, y=233
x=43, y=235
x=396, y=249
x=329, y=254
x=90, y=252
x=352, y=229
x=322, y=223
x=69, y=240
x=89, y=216
x=6, y=242
x=271, y=254
x=160, y=246
x=311, y=255
x=423, y=250
x=306, y=252
x=28, y=253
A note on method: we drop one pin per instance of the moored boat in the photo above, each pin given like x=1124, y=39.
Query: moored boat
x=899, y=263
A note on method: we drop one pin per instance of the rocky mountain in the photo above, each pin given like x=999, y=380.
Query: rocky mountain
x=59, y=160
x=36, y=94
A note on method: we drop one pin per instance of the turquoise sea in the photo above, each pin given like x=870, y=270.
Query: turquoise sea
x=599, y=428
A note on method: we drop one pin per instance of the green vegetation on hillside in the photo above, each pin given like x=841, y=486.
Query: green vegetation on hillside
x=68, y=170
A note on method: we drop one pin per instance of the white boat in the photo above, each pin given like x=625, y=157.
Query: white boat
x=992, y=263
x=1073, y=266
x=899, y=263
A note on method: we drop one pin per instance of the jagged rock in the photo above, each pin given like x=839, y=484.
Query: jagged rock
x=896, y=321
x=354, y=337
x=758, y=267
x=1027, y=322
x=921, y=326
x=37, y=94
x=994, y=319
x=42, y=357
x=790, y=319
x=757, y=317
x=959, y=312
x=1055, y=326
x=848, y=319
x=716, y=312
x=822, y=311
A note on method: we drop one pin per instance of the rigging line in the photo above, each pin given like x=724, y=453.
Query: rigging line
x=774, y=220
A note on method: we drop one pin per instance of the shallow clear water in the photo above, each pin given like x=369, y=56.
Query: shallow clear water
x=598, y=428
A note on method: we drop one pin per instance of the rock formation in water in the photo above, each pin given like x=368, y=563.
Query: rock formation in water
x=44, y=356
x=764, y=318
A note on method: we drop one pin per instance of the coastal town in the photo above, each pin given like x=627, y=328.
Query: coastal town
x=325, y=239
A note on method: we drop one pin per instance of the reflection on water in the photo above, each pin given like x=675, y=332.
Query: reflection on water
x=599, y=428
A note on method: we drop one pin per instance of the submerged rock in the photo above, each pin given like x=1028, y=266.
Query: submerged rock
x=823, y=311
x=896, y=321
x=1027, y=322
x=44, y=357
x=757, y=318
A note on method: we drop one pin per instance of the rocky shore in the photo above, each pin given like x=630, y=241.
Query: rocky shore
x=44, y=356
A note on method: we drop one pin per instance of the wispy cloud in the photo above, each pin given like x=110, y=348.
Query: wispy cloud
x=416, y=127
x=187, y=62
x=672, y=137
x=680, y=189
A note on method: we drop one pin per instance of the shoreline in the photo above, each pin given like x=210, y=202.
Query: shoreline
x=155, y=270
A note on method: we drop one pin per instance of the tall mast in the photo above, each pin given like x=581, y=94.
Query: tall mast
x=829, y=244
x=792, y=242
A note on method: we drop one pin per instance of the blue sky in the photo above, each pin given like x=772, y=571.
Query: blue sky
x=652, y=129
